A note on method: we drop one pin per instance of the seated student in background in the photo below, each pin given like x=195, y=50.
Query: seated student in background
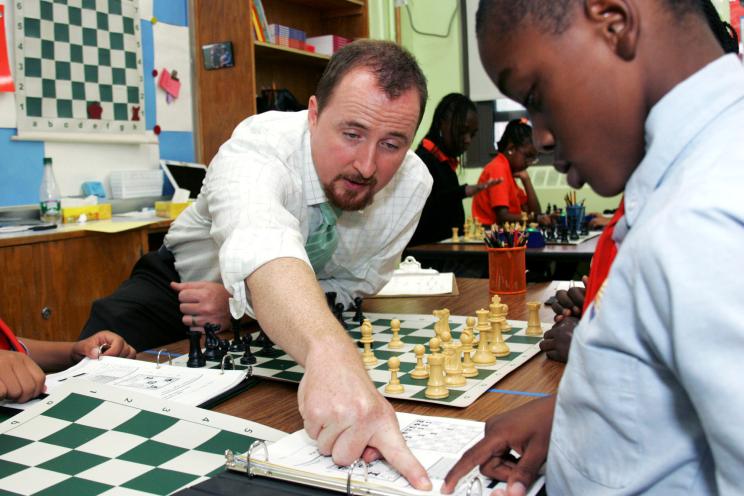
x=650, y=398
x=454, y=125
x=23, y=362
x=506, y=201
x=570, y=305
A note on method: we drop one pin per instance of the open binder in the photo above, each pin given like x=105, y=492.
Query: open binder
x=437, y=443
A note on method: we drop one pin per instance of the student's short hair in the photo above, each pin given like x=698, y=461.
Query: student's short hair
x=550, y=15
x=394, y=67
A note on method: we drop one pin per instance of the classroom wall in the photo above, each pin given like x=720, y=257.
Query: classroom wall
x=165, y=44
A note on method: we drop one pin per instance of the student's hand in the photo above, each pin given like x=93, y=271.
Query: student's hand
x=599, y=221
x=544, y=220
x=203, y=302
x=102, y=343
x=569, y=303
x=523, y=175
x=349, y=418
x=525, y=430
x=20, y=378
x=557, y=341
x=473, y=189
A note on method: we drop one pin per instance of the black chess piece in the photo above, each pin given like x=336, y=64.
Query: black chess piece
x=224, y=347
x=267, y=345
x=196, y=357
x=338, y=311
x=211, y=343
x=331, y=299
x=358, y=315
x=248, y=357
x=237, y=343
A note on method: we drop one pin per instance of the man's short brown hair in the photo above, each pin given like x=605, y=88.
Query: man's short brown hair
x=395, y=69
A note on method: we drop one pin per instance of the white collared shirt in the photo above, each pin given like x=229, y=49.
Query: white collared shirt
x=258, y=202
x=651, y=399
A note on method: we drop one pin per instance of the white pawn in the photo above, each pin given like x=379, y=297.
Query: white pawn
x=434, y=344
x=394, y=386
x=468, y=368
x=368, y=356
x=395, y=343
x=419, y=372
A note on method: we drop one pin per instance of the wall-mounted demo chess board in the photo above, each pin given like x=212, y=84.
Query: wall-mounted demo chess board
x=415, y=329
x=78, y=67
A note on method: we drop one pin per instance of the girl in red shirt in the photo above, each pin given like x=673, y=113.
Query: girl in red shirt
x=505, y=202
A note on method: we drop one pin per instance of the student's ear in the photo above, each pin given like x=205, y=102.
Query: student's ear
x=617, y=22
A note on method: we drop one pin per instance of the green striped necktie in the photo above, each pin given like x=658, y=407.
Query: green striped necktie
x=322, y=242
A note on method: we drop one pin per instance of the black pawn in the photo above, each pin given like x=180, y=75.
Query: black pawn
x=358, y=315
x=223, y=348
x=248, y=357
x=237, y=343
x=196, y=357
x=338, y=311
x=212, y=343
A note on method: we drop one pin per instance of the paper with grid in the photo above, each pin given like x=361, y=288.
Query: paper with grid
x=94, y=439
x=415, y=329
x=78, y=67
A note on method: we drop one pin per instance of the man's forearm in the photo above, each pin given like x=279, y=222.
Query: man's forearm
x=291, y=307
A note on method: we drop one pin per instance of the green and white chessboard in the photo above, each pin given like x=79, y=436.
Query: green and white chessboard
x=78, y=66
x=91, y=439
x=415, y=329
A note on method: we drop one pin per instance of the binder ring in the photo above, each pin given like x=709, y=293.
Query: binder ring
x=472, y=483
x=255, y=444
x=351, y=470
x=222, y=367
x=157, y=360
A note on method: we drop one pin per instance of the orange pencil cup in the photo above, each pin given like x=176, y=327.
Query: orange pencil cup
x=507, y=270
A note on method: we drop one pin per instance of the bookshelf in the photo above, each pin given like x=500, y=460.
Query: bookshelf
x=224, y=97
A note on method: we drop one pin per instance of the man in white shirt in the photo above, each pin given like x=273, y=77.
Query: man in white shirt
x=650, y=105
x=261, y=234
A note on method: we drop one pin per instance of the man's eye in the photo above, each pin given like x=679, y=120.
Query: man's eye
x=390, y=146
x=351, y=135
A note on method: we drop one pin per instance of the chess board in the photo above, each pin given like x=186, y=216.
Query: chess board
x=78, y=66
x=462, y=241
x=94, y=439
x=415, y=329
x=591, y=235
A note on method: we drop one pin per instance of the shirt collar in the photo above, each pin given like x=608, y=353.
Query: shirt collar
x=311, y=186
x=432, y=148
x=674, y=122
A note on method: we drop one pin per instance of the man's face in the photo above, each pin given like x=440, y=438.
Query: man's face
x=360, y=138
x=583, y=100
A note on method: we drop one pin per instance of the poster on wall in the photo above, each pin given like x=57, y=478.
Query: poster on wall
x=79, y=68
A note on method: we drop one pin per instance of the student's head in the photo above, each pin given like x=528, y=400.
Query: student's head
x=516, y=145
x=589, y=71
x=454, y=124
x=363, y=118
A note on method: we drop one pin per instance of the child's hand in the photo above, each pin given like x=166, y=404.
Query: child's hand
x=557, y=341
x=525, y=430
x=104, y=343
x=20, y=378
x=569, y=303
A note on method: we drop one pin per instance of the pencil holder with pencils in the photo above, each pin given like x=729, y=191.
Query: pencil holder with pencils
x=507, y=270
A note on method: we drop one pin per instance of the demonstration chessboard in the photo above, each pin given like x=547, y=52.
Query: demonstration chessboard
x=415, y=329
x=78, y=66
x=94, y=439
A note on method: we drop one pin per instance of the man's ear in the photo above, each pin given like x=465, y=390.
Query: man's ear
x=617, y=22
x=312, y=112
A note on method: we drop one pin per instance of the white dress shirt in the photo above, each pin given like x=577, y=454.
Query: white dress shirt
x=651, y=399
x=259, y=202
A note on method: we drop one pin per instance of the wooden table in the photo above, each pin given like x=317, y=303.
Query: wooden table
x=274, y=403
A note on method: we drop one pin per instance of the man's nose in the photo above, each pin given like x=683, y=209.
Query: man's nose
x=365, y=162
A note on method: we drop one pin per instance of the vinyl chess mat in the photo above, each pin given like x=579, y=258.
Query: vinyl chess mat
x=79, y=66
x=462, y=241
x=98, y=442
x=591, y=235
x=415, y=329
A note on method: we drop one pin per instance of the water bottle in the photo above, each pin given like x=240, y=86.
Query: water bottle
x=49, y=197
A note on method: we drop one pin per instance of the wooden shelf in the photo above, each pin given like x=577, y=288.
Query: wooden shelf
x=329, y=4
x=272, y=51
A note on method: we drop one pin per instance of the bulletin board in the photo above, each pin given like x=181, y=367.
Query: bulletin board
x=78, y=67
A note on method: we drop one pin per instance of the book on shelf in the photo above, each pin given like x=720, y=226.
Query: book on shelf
x=262, y=20
x=190, y=386
x=437, y=442
x=258, y=31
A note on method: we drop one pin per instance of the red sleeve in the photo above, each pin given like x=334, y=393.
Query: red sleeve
x=498, y=196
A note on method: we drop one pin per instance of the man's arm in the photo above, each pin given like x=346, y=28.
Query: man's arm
x=338, y=402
